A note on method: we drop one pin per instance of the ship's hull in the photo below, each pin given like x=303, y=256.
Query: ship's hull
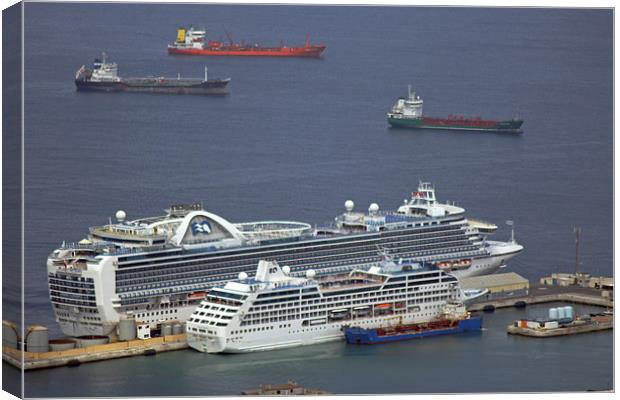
x=146, y=85
x=77, y=329
x=78, y=324
x=510, y=126
x=358, y=335
x=71, y=327
x=490, y=264
x=278, y=336
x=311, y=51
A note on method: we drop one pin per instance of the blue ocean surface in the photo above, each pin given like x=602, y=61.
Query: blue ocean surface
x=295, y=138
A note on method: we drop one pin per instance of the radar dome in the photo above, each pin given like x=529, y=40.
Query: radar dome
x=348, y=205
x=310, y=273
x=243, y=276
x=121, y=215
x=286, y=269
x=374, y=207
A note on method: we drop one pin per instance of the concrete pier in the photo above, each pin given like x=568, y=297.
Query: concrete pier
x=544, y=294
x=570, y=330
x=78, y=356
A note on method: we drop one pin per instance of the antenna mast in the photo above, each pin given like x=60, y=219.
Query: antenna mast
x=577, y=234
x=229, y=37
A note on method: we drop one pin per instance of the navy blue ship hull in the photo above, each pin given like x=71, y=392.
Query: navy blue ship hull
x=356, y=335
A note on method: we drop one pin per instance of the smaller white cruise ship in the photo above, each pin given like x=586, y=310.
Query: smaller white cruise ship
x=275, y=310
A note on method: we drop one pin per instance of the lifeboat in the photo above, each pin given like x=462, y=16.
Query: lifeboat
x=196, y=295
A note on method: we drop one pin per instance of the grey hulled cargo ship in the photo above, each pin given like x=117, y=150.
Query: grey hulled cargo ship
x=103, y=76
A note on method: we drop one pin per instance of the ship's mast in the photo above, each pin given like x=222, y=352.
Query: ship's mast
x=205, y=73
x=511, y=224
x=230, y=40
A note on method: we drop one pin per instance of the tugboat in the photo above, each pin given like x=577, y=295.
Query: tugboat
x=192, y=42
x=103, y=77
x=455, y=319
x=407, y=113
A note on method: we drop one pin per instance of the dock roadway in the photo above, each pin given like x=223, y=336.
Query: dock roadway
x=94, y=353
x=538, y=295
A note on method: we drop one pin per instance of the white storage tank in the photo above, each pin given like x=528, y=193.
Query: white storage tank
x=553, y=313
x=9, y=334
x=166, y=330
x=37, y=338
x=561, y=313
x=126, y=328
x=568, y=310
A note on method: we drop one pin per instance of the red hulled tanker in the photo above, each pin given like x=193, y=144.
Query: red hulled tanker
x=193, y=42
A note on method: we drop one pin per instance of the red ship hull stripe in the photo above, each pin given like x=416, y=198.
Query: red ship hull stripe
x=289, y=52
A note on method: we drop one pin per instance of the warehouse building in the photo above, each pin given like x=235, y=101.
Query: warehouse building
x=580, y=279
x=500, y=286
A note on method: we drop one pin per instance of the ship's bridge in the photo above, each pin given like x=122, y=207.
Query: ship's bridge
x=423, y=202
x=422, y=206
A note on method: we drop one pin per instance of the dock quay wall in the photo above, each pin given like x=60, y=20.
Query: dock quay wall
x=579, y=298
x=93, y=353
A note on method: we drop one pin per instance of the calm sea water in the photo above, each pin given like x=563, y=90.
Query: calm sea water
x=298, y=137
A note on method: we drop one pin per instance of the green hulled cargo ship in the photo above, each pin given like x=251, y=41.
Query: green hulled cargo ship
x=407, y=113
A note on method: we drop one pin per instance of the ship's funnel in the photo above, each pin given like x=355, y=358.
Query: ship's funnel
x=181, y=35
x=269, y=271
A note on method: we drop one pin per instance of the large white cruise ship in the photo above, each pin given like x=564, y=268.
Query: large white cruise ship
x=160, y=268
x=274, y=310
